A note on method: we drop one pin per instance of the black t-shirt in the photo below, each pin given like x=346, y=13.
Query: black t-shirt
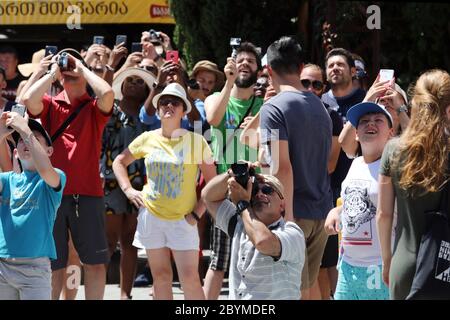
x=11, y=87
x=341, y=106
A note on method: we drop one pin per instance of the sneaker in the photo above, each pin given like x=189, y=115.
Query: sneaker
x=143, y=279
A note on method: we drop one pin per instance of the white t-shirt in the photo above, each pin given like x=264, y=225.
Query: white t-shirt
x=360, y=246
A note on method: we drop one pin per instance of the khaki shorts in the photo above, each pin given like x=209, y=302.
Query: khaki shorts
x=316, y=240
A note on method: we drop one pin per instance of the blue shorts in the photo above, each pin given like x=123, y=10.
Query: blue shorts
x=360, y=283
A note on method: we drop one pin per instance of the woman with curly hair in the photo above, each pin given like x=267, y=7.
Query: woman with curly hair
x=413, y=173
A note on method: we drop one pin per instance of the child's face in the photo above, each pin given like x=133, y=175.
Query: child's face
x=373, y=128
x=23, y=152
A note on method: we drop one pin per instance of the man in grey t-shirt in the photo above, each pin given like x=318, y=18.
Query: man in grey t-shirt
x=267, y=253
x=296, y=134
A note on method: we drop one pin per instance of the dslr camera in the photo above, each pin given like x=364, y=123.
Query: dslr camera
x=242, y=173
x=66, y=62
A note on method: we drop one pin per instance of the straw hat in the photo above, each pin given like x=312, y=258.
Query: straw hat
x=27, y=69
x=145, y=75
x=206, y=65
x=173, y=89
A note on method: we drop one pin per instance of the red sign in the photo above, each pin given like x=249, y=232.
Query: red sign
x=159, y=11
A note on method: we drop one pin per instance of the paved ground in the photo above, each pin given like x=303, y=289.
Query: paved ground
x=112, y=292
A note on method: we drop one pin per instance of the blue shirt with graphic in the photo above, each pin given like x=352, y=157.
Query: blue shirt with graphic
x=28, y=209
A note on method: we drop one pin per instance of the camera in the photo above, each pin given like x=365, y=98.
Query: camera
x=66, y=62
x=193, y=84
x=155, y=36
x=235, y=43
x=242, y=173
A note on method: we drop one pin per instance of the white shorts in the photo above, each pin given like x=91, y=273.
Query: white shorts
x=155, y=233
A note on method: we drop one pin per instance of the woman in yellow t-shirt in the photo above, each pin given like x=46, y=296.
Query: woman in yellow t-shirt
x=167, y=218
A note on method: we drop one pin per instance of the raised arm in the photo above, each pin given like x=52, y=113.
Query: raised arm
x=102, y=89
x=32, y=98
x=42, y=69
x=347, y=140
x=215, y=192
x=40, y=156
x=216, y=105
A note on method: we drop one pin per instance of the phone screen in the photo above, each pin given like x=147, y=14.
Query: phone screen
x=386, y=75
x=98, y=40
x=136, y=47
x=50, y=50
x=172, y=55
x=19, y=108
x=120, y=39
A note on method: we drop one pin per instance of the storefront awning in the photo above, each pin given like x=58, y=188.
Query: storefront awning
x=36, y=12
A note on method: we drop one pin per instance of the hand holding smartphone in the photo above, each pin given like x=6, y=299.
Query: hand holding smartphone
x=172, y=55
x=386, y=75
x=136, y=47
x=98, y=40
x=121, y=39
x=49, y=50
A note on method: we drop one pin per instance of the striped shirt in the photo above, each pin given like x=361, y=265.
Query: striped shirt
x=256, y=276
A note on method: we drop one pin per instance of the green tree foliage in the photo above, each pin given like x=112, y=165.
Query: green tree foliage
x=204, y=27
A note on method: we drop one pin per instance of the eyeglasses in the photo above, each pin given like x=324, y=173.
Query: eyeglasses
x=164, y=101
x=139, y=81
x=265, y=189
x=316, y=84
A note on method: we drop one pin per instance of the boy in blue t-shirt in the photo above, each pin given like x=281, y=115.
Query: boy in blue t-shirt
x=28, y=206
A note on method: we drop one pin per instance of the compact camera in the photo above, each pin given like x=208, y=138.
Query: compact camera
x=66, y=62
x=155, y=36
x=193, y=84
x=235, y=43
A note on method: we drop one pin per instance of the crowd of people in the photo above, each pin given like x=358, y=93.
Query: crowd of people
x=316, y=184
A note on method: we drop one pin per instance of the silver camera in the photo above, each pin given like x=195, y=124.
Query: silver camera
x=235, y=43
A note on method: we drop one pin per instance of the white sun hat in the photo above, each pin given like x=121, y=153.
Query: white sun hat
x=176, y=90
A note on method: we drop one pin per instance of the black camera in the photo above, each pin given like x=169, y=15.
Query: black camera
x=193, y=84
x=242, y=173
x=65, y=62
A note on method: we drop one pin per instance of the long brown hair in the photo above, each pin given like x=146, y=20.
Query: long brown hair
x=424, y=146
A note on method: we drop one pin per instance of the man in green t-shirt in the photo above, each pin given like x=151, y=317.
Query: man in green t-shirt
x=228, y=112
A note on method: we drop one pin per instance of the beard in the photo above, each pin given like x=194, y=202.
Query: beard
x=246, y=83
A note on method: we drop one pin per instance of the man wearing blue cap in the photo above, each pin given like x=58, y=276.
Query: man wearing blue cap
x=360, y=255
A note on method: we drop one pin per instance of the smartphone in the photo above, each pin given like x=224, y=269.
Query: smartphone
x=121, y=38
x=98, y=40
x=136, y=47
x=50, y=50
x=172, y=55
x=19, y=108
x=386, y=75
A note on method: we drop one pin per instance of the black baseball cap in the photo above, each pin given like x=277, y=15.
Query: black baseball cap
x=34, y=126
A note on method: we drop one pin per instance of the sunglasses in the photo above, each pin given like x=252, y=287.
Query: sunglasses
x=316, y=84
x=152, y=69
x=139, y=81
x=265, y=189
x=164, y=101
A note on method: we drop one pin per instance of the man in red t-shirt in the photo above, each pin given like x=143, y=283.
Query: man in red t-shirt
x=77, y=153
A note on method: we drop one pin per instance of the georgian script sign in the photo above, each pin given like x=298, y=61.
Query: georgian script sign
x=91, y=12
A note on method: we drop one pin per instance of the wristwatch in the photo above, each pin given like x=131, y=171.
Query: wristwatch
x=241, y=206
x=403, y=108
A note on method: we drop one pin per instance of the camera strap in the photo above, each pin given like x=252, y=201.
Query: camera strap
x=69, y=119
x=239, y=125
